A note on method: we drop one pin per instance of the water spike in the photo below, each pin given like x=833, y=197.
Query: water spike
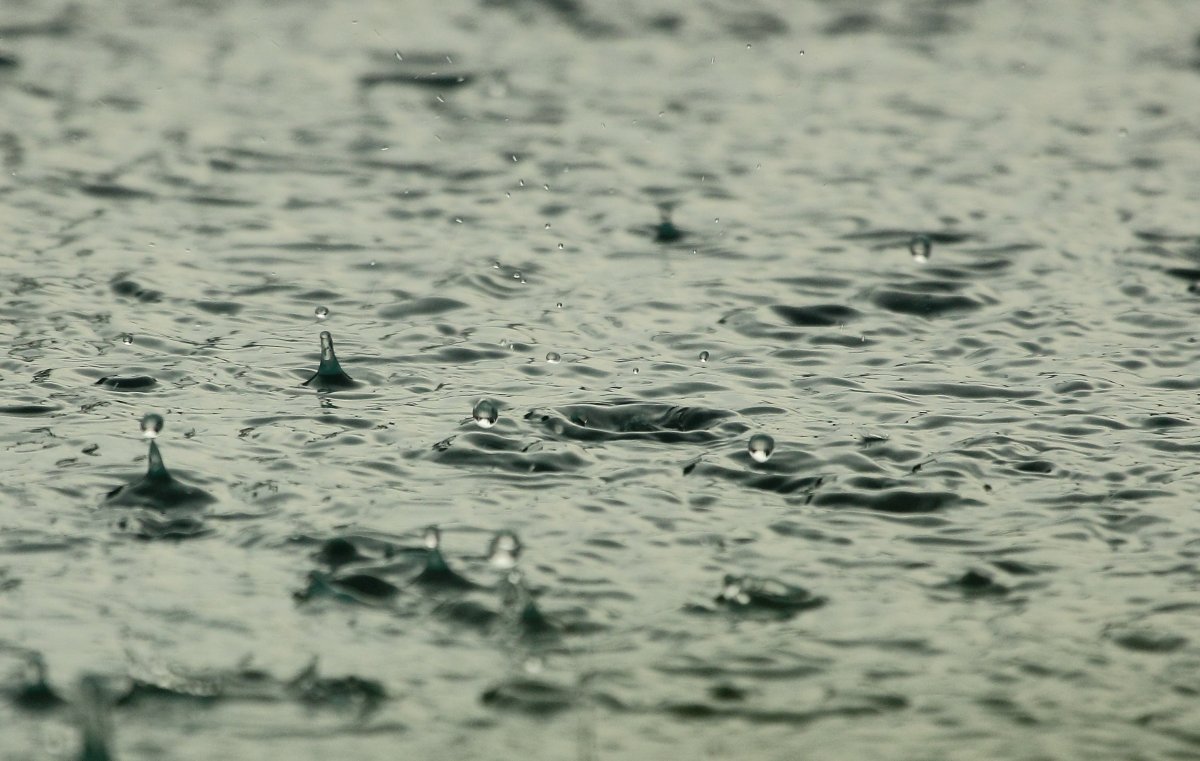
x=155, y=468
x=329, y=374
x=437, y=572
x=94, y=721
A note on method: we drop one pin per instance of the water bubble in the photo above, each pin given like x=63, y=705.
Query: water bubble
x=920, y=247
x=560, y=247
x=553, y=357
x=127, y=338
x=321, y=312
x=504, y=550
x=636, y=371
x=486, y=413
x=559, y=305
x=703, y=356
x=152, y=424
x=761, y=446
x=516, y=276
x=432, y=538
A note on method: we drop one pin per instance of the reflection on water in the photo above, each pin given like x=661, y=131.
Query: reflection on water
x=835, y=365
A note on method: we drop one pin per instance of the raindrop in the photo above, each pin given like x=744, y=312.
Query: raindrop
x=703, y=356
x=152, y=424
x=761, y=446
x=432, y=538
x=553, y=357
x=322, y=313
x=920, y=247
x=504, y=550
x=559, y=305
x=560, y=247
x=547, y=226
x=516, y=276
x=636, y=371
x=127, y=338
x=486, y=413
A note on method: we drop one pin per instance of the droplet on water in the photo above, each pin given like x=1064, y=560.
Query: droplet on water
x=486, y=413
x=321, y=312
x=553, y=357
x=559, y=305
x=920, y=247
x=127, y=338
x=761, y=446
x=152, y=424
x=703, y=356
x=432, y=538
x=504, y=550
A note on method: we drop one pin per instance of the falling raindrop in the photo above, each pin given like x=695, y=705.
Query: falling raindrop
x=127, y=338
x=559, y=305
x=322, y=313
x=486, y=413
x=703, y=356
x=920, y=247
x=761, y=446
x=152, y=424
x=553, y=357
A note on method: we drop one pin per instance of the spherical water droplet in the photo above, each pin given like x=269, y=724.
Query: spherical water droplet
x=152, y=424
x=322, y=313
x=559, y=305
x=127, y=338
x=553, y=357
x=432, y=538
x=560, y=247
x=761, y=446
x=547, y=226
x=516, y=276
x=486, y=413
x=920, y=247
x=703, y=356
x=636, y=371
x=504, y=550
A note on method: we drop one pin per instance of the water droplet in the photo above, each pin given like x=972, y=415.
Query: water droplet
x=636, y=371
x=322, y=313
x=920, y=247
x=504, y=550
x=486, y=413
x=127, y=338
x=761, y=446
x=432, y=538
x=516, y=276
x=152, y=424
x=703, y=356
x=747, y=46
x=559, y=305
x=545, y=187
x=547, y=226
x=553, y=357
x=560, y=247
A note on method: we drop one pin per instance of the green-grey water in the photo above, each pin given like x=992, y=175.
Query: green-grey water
x=577, y=259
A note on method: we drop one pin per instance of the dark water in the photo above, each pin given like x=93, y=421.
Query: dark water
x=977, y=536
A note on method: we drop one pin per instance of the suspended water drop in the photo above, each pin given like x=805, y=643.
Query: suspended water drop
x=560, y=246
x=516, y=276
x=432, y=538
x=504, y=550
x=553, y=357
x=321, y=312
x=486, y=413
x=127, y=338
x=559, y=305
x=636, y=371
x=920, y=247
x=703, y=356
x=547, y=226
x=761, y=446
x=152, y=424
